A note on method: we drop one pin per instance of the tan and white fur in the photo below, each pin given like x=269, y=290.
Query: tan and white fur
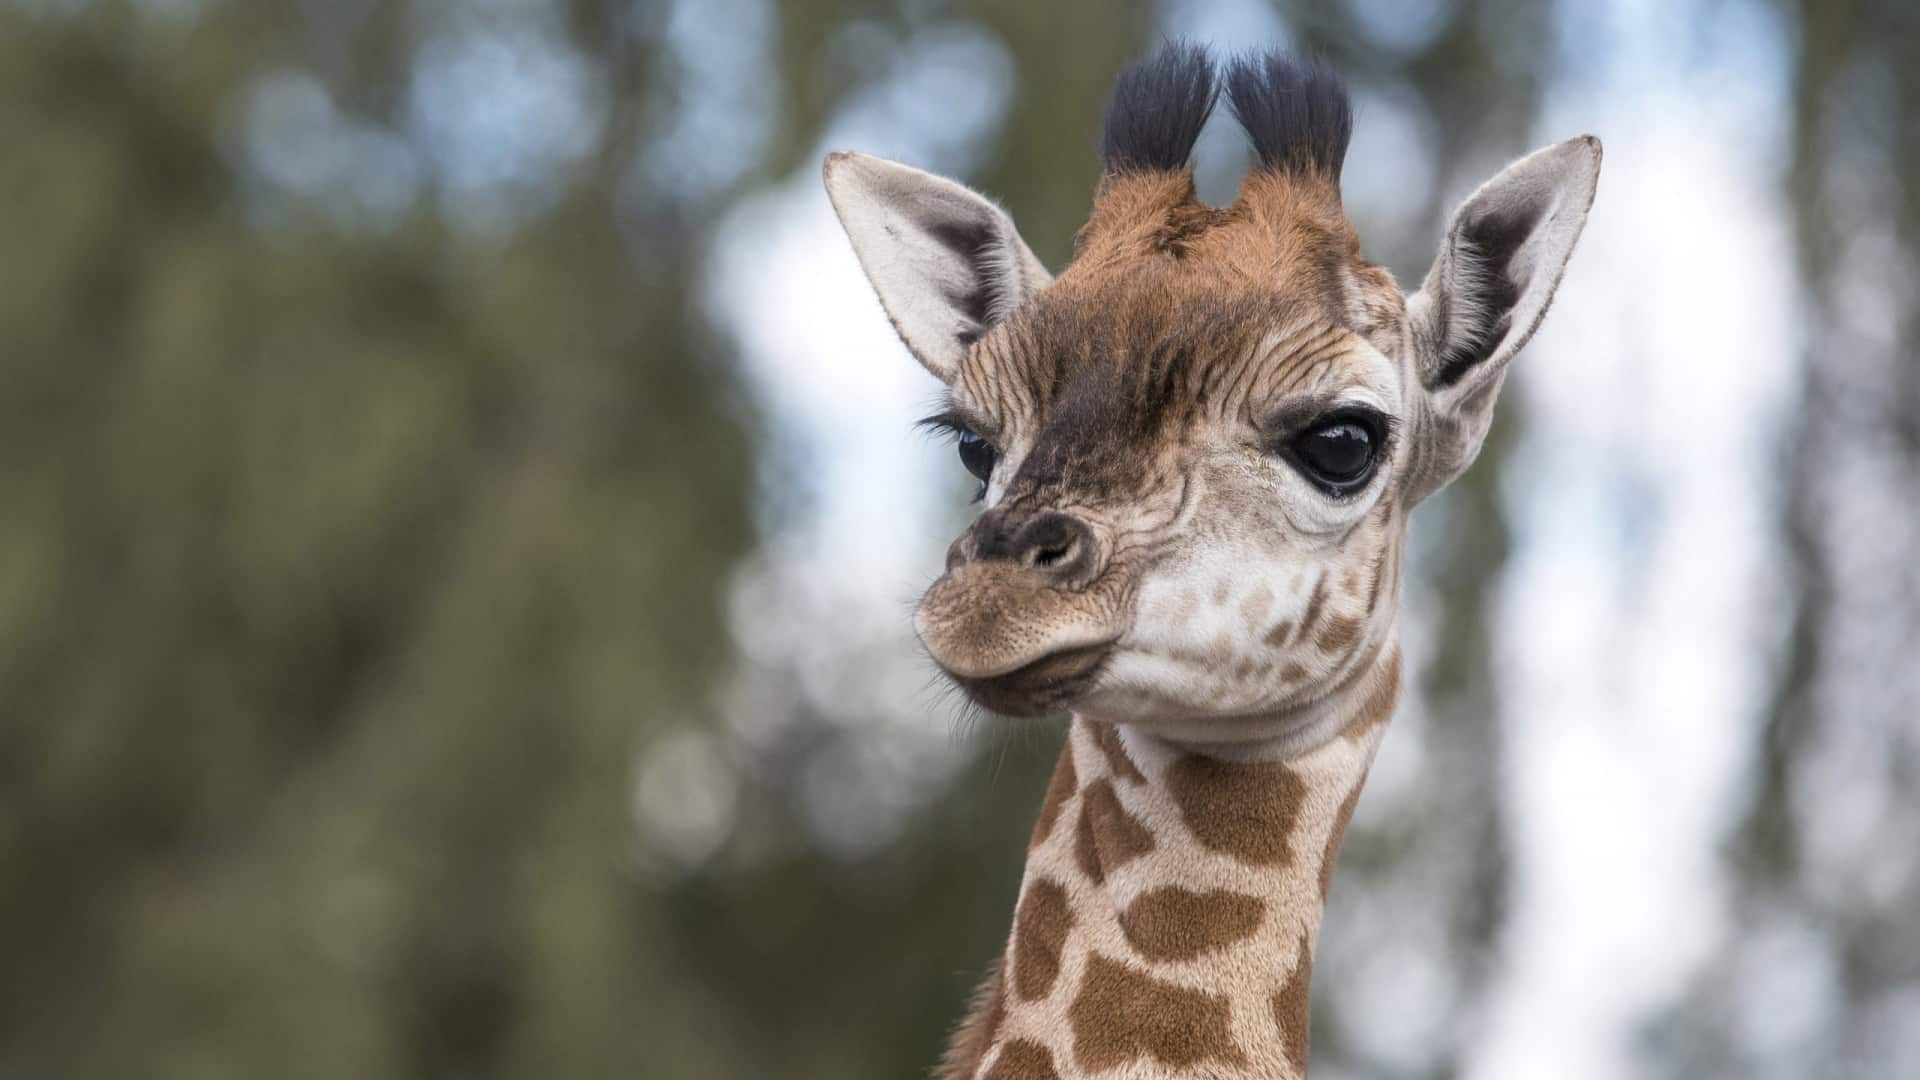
x=1168, y=552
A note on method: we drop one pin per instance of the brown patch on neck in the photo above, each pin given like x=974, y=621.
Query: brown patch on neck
x=1172, y=923
x=1122, y=1014
x=1377, y=709
x=1340, y=821
x=1059, y=789
x=1291, y=1006
x=1108, y=837
x=969, y=1043
x=1247, y=811
x=1107, y=738
x=1040, y=929
x=1022, y=1059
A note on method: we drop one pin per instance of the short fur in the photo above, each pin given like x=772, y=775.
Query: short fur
x=1154, y=556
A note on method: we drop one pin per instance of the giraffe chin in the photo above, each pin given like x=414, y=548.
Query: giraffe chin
x=1052, y=683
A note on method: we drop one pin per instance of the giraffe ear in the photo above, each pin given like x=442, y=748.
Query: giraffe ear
x=1489, y=288
x=946, y=262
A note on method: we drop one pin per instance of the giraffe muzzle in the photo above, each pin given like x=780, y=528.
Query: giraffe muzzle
x=1026, y=614
x=1054, y=682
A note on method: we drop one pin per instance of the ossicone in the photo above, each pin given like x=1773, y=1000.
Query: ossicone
x=1296, y=113
x=1158, y=107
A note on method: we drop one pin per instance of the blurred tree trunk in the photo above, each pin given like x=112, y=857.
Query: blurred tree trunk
x=1824, y=913
x=342, y=552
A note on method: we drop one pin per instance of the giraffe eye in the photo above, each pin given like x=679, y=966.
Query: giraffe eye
x=978, y=455
x=1339, y=452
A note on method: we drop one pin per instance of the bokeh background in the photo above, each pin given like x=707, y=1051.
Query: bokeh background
x=459, y=514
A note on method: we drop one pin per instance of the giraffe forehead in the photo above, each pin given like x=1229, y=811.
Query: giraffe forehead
x=1143, y=346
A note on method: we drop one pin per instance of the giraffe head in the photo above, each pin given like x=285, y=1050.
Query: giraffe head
x=1197, y=446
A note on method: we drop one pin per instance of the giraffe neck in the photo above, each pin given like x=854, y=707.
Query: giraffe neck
x=1171, y=902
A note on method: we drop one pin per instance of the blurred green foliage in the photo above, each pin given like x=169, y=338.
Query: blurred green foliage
x=372, y=488
x=334, y=564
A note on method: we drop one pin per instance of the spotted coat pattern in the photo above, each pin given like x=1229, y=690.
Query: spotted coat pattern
x=1170, y=906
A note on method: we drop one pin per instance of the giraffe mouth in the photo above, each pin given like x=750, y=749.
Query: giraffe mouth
x=1049, y=684
x=988, y=621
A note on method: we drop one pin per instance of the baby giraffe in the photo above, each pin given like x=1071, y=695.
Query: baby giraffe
x=1197, y=450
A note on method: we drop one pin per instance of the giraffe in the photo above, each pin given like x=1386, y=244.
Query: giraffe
x=1197, y=450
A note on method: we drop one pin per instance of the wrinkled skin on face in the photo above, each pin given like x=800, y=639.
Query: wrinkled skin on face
x=1157, y=410
x=1201, y=443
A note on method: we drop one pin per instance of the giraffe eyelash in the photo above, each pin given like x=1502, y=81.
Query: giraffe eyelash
x=945, y=424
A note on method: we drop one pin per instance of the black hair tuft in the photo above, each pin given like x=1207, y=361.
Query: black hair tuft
x=1158, y=107
x=1297, y=114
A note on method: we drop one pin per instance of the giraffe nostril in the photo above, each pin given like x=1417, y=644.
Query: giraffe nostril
x=1055, y=544
x=1058, y=545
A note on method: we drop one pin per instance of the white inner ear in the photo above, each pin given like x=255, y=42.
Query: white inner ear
x=1486, y=303
x=946, y=262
